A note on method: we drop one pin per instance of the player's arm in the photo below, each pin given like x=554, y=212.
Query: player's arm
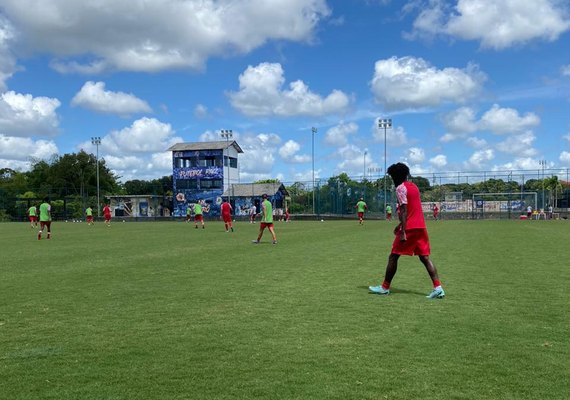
x=403, y=218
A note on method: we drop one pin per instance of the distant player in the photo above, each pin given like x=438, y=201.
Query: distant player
x=198, y=214
x=411, y=237
x=45, y=218
x=226, y=208
x=266, y=220
x=252, y=214
x=33, y=216
x=388, y=212
x=360, y=208
x=287, y=215
x=529, y=212
x=188, y=213
x=89, y=214
x=435, y=211
x=107, y=214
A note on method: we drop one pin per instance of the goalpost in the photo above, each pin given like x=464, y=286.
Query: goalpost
x=503, y=205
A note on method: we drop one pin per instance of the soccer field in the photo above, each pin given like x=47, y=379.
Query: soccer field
x=165, y=311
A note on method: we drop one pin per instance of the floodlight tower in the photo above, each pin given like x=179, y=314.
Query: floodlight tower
x=384, y=123
x=97, y=142
x=228, y=134
x=313, y=131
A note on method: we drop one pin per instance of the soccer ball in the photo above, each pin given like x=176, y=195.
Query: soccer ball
x=322, y=220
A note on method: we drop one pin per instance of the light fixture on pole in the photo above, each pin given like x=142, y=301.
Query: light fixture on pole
x=313, y=131
x=97, y=141
x=542, y=164
x=228, y=134
x=384, y=123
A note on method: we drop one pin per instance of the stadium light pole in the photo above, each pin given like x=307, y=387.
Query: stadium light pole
x=97, y=141
x=542, y=164
x=313, y=131
x=384, y=123
x=228, y=134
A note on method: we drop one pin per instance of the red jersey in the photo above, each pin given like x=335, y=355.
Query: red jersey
x=106, y=210
x=226, y=208
x=409, y=194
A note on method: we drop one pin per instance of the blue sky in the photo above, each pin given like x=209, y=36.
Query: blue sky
x=470, y=85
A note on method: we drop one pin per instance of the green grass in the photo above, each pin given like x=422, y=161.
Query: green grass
x=166, y=311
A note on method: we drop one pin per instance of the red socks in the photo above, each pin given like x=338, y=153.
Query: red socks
x=386, y=285
x=436, y=283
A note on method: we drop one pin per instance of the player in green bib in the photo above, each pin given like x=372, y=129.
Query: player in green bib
x=198, y=214
x=188, y=213
x=33, y=216
x=89, y=214
x=360, y=208
x=45, y=218
x=388, y=212
x=266, y=220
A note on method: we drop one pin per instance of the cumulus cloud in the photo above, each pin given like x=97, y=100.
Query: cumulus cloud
x=409, y=83
x=338, y=135
x=93, y=96
x=565, y=70
x=479, y=159
x=520, y=144
x=462, y=120
x=438, y=161
x=567, y=137
x=261, y=93
x=25, y=115
x=289, y=150
x=19, y=148
x=200, y=111
x=145, y=135
x=352, y=160
x=520, y=163
x=565, y=158
x=416, y=155
x=258, y=158
x=507, y=120
x=499, y=25
x=476, y=142
x=7, y=59
x=395, y=136
x=158, y=35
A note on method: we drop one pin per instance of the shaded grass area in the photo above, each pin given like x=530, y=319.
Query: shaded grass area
x=163, y=310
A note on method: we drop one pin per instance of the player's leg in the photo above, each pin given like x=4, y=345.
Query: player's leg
x=48, y=224
x=437, y=291
x=272, y=230
x=391, y=269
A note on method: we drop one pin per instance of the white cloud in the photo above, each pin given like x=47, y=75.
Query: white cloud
x=258, y=158
x=460, y=121
x=567, y=137
x=200, y=111
x=289, y=151
x=145, y=135
x=565, y=70
x=261, y=94
x=476, y=142
x=73, y=67
x=565, y=158
x=338, y=135
x=18, y=148
x=7, y=59
x=25, y=115
x=160, y=34
x=352, y=160
x=408, y=82
x=93, y=96
x=161, y=161
x=438, y=161
x=520, y=163
x=520, y=145
x=479, y=159
x=416, y=155
x=497, y=25
x=507, y=120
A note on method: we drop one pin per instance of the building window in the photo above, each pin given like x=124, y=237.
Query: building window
x=233, y=162
x=186, y=184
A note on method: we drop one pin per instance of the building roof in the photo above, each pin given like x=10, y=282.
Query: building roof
x=192, y=146
x=255, y=189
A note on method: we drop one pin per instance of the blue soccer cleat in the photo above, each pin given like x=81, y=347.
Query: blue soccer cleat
x=378, y=290
x=436, y=293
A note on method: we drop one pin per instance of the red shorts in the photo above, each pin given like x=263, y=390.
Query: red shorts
x=45, y=223
x=360, y=214
x=33, y=218
x=227, y=217
x=198, y=217
x=389, y=215
x=266, y=225
x=416, y=244
x=107, y=217
x=90, y=219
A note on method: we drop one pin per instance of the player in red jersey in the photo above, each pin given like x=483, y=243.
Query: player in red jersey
x=411, y=237
x=435, y=211
x=227, y=215
x=107, y=214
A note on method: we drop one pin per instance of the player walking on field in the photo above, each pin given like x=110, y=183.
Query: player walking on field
x=360, y=208
x=107, y=214
x=266, y=220
x=388, y=212
x=89, y=214
x=411, y=237
x=45, y=218
x=33, y=216
x=198, y=214
x=227, y=215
